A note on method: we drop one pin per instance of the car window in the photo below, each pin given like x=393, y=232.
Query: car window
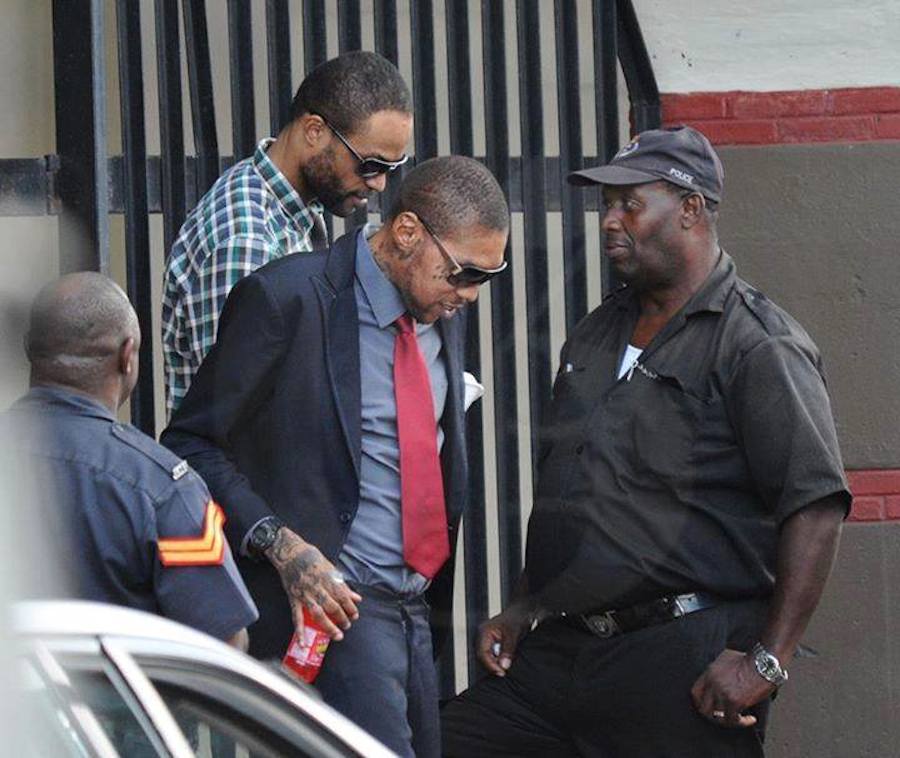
x=114, y=714
x=216, y=732
x=51, y=727
x=230, y=716
x=77, y=705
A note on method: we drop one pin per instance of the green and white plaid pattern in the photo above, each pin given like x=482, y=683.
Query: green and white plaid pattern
x=250, y=216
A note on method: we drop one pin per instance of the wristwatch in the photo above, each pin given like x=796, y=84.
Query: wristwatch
x=768, y=666
x=262, y=536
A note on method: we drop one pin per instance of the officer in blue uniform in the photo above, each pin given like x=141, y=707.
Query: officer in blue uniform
x=131, y=523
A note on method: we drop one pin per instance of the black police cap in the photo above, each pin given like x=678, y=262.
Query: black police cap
x=680, y=155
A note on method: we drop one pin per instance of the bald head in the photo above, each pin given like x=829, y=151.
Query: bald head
x=77, y=330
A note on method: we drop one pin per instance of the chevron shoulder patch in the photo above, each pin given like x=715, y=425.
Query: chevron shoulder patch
x=206, y=550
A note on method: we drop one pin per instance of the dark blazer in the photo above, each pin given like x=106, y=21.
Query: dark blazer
x=272, y=421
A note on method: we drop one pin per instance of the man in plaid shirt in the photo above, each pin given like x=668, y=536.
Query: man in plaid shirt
x=351, y=120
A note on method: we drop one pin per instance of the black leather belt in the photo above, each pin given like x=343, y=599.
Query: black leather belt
x=658, y=611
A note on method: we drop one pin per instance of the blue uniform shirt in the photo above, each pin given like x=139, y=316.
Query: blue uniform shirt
x=135, y=525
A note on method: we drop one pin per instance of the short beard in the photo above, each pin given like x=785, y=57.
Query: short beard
x=320, y=178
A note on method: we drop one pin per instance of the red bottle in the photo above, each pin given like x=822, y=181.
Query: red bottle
x=304, y=655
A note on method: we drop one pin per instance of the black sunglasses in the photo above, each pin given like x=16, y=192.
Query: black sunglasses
x=367, y=168
x=462, y=276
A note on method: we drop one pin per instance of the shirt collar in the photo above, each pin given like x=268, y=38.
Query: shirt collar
x=712, y=295
x=282, y=188
x=384, y=298
x=57, y=398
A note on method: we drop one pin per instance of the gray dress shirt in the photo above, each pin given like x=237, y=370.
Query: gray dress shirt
x=373, y=552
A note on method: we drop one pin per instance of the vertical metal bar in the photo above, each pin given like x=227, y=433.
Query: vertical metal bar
x=496, y=117
x=386, y=45
x=203, y=111
x=425, y=127
x=638, y=70
x=606, y=101
x=79, y=73
x=315, y=41
x=315, y=51
x=278, y=51
x=349, y=26
x=240, y=53
x=461, y=143
x=137, y=233
x=459, y=88
x=386, y=30
x=350, y=38
x=168, y=62
x=571, y=158
x=531, y=118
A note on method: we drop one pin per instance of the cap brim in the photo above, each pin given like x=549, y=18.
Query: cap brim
x=610, y=175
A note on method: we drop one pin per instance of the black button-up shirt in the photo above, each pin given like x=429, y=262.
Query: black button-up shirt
x=676, y=477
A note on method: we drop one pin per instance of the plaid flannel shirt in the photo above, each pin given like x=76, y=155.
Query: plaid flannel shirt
x=250, y=216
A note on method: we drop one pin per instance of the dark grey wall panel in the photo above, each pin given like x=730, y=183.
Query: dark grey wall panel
x=817, y=228
x=844, y=702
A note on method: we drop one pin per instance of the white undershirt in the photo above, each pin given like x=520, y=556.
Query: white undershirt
x=630, y=357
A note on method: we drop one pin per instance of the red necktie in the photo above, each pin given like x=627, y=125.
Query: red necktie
x=426, y=544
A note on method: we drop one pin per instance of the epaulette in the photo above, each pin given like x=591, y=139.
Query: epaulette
x=765, y=311
x=163, y=457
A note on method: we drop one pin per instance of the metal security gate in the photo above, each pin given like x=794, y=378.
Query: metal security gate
x=514, y=82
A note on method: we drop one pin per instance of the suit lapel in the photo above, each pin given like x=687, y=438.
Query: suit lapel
x=340, y=323
x=452, y=342
x=453, y=419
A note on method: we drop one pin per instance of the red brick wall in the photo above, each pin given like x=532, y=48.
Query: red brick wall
x=800, y=116
x=876, y=495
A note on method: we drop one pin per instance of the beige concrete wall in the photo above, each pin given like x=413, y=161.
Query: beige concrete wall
x=843, y=703
x=28, y=246
x=816, y=228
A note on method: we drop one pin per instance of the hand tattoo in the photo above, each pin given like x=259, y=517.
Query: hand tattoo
x=303, y=568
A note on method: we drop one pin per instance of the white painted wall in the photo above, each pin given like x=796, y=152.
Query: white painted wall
x=766, y=45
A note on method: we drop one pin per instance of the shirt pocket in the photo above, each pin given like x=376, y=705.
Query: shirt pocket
x=665, y=423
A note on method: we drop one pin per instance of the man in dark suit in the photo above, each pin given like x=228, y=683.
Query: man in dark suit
x=317, y=420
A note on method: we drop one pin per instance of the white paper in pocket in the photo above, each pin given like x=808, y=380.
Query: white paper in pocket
x=474, y=389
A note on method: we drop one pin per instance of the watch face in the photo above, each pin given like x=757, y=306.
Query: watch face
x=768, y=666
x=264, y=534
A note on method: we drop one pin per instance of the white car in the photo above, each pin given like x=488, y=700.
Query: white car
x=101, y=680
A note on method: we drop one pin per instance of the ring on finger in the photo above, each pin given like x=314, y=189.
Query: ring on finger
x=718, y=714
x=336, y=576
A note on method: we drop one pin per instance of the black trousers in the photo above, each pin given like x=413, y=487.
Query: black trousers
x=570, y=693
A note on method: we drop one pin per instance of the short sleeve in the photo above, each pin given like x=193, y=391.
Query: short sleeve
x=782, y=416
x=196, y=581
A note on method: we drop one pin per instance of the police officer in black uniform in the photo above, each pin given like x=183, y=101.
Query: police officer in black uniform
x=689, y=500
x=127, y=520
